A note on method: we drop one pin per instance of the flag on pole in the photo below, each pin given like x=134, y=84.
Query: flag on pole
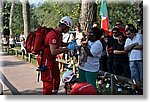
x=104, y=15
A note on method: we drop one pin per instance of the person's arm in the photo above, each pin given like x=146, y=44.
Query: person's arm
x=87, y=50
x=107, y=51
x=54, y=50
x=130, y=47
x=140, y=43
x=64, y=44
x=119, y=52
x=138, y=47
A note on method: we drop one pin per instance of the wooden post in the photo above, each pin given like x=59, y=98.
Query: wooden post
x=8, y=50
x=22, y=55
x=16, y=52
x=113, y=83
x=29, y=57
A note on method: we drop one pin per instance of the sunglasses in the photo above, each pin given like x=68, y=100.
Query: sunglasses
x=91, y=34
x=115, y=32
x=118, y=24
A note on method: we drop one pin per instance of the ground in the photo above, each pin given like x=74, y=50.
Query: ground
x=20, y=77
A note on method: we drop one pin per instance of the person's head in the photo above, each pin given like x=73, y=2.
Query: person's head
x=69, y=78
x=115, y=32
x=96, y=24
x=95, y=34
x=118, y=24
x=22, y=39
x=78, y=27
x=121, y=37
x=130, y=30
x=2, y=35
x=65, y=23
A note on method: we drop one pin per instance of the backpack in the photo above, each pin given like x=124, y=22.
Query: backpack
x=35, y=40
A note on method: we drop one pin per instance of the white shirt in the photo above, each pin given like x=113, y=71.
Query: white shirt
x=4, y=41
x=135, y=54
x=22, y=46
x=92, y=63
x=11, y=41
x=66, y=38
x=79, y=36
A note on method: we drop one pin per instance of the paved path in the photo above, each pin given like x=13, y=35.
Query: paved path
x=20, y=77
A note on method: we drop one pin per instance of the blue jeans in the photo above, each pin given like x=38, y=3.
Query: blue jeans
x=136, y=68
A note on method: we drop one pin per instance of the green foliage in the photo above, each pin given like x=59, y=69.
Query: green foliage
x=124, y=11
x=6, y=15
x=17, y=24
x=49, y=14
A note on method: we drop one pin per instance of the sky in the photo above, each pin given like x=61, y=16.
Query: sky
x=36, y=2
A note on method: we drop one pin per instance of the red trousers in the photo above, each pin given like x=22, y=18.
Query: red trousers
x=51, y=80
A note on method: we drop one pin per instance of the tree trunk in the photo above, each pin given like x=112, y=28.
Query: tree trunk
x=11, y=16
x=26, y=16
x=88, y=14
x=1, y=16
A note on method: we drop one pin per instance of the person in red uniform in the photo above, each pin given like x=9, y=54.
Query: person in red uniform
x=53, y=41
x=73, y=87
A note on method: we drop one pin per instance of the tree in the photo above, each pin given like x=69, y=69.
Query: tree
x=88, y=14
x=26, y=16
x=1, y=18
x=17, y=25
x=11, y=16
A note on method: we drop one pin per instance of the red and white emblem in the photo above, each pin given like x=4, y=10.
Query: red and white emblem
x=54, y=41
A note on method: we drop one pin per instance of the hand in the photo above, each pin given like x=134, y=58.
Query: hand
x=74, y=40
x=84, y=43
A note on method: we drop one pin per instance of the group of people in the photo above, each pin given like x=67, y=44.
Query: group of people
x=11, y=42
x=119, y=52
x=123, y=52
x=51, y=76
x=8, y=42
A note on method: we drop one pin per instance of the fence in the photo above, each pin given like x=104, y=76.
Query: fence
x=18, y=52
x=116, y=78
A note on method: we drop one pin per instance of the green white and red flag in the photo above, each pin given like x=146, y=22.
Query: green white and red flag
x=104, y=15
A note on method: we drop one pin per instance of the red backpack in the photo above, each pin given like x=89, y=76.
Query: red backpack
x=35, y=40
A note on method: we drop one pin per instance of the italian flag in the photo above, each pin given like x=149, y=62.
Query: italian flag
x=104, y=15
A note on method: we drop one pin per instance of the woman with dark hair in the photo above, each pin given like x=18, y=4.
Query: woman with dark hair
x=93, y=48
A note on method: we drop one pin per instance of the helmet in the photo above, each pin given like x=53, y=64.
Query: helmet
x=67, y=76
x=67, y=21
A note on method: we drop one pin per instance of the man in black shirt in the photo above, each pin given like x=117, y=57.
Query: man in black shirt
x=120, y=58
x=109, y=51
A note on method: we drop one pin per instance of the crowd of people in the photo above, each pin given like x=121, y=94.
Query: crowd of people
x=118, y=52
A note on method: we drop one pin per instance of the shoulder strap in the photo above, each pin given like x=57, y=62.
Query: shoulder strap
x=42, y=52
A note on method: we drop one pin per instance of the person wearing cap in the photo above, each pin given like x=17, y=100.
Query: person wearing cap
x=51, y=76
x=74, y=87
x=88, y=72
